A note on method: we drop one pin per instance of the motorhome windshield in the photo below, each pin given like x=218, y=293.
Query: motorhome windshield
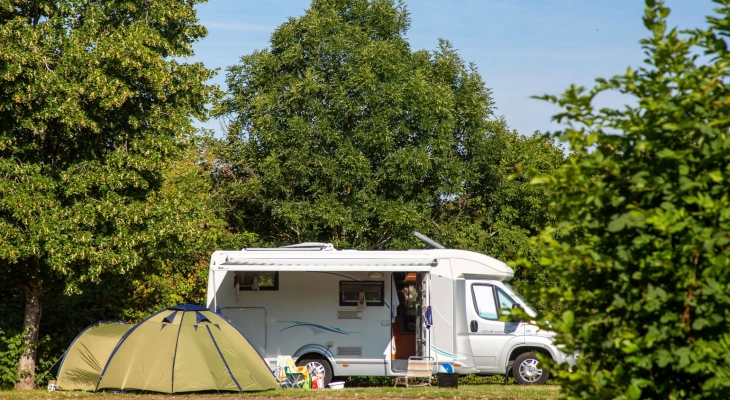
x=529, y=308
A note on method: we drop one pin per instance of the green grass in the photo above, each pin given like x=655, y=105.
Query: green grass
x=493, y=392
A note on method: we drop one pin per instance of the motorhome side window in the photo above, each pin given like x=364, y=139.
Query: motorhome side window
x=484, y=301
x=505, y=302
x=247, y=280
x=350, y=292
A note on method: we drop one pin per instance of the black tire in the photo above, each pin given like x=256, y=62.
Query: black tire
x=526, y=370
x=321, y=361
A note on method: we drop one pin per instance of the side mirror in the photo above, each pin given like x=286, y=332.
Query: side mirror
x=516, y=305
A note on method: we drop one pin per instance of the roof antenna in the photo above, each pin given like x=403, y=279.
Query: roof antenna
x=428, y=240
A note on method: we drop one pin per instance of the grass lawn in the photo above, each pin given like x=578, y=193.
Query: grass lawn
x=493, y=391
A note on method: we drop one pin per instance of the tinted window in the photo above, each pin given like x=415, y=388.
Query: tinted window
x=349, y=292
x=265, y=280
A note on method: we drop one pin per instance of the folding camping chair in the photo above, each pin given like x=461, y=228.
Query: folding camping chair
x=289, y=375
x=419, y=369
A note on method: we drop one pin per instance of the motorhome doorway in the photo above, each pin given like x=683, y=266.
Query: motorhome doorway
x=408, y=333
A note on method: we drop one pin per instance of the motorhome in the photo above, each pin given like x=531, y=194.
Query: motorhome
x=365, y=313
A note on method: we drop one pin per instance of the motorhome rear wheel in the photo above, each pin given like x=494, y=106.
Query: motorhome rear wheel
x=318, y=364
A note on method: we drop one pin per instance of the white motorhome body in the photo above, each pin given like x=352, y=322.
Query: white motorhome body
x=303, y=301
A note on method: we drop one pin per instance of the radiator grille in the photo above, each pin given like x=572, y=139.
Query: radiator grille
x=348, y=314
x=349, y=351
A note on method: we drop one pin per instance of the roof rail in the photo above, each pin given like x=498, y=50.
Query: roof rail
x=310, y=246
x=306, y=246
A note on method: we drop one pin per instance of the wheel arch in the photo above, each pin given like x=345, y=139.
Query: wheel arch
x=519, y=350
x=316, y=350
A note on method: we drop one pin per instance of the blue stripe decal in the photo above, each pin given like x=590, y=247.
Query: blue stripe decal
x=445, y=353
x=223, y=359
x=316, y=327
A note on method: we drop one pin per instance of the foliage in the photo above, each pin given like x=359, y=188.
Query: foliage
x=644, y=223
x=369, y=381
x=473, y=379
x=176, y=274
x=387, y=381
x=339, y=132
x=93, y=107
x=11, y=347
x=177, y=270
x=500, y=209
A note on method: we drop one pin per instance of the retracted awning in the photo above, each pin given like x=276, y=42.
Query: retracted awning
x=328, y=264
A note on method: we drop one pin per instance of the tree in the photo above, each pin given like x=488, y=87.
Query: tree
x=641, y=241
x=501, y=209
x=339, y=132
x=92, y=109
x=173, y=271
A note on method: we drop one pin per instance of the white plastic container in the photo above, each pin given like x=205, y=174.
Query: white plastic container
x=337, y=385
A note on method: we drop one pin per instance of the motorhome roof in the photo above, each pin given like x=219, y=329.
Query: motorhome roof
x=473, y=265
x=328, y=260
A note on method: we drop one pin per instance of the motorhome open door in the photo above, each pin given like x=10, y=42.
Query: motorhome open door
x=425, y=315
x=410, y=331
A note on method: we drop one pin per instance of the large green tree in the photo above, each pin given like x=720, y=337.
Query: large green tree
x=93, y=106
x=173, y=271
x=500, y=209
x=642, y=241
x=340, y=132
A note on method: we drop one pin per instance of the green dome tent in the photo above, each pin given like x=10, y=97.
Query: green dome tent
x=185, y=348
x=85, y=358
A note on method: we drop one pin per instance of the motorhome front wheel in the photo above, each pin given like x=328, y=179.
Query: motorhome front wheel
x=527, y=370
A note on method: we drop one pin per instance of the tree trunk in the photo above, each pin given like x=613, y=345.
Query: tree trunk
x=26, y=366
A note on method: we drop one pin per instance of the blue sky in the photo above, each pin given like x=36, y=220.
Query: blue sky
x=520, y=47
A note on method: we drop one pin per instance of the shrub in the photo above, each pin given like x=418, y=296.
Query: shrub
x=644, y=221
x=11, y=347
